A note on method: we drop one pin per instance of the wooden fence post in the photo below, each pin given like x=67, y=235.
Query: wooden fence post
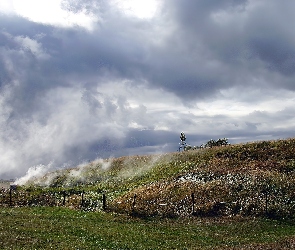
x=64, y=198
x=82, y=202
x=104, y=201
x=12, y=187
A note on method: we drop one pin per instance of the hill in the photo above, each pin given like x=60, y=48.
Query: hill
x=246, y=179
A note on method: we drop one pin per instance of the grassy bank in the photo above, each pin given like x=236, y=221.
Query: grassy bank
x=62, y=228
x=253, y=179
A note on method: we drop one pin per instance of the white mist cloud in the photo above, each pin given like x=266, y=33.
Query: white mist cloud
x=35, y=172
x=104, y=164
x=142, y=166
x=67, y=124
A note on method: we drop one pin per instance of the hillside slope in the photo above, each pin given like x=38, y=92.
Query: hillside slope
x=245, y=179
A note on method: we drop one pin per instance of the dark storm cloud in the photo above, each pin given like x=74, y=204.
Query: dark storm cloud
x=271, y=38
x=220, y=40
x=21, y=64
x=190, y=64
x=126, y=49
x=74, y=52
x=197, y=58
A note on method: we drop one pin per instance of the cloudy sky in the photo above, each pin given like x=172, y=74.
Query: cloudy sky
x=87, y=79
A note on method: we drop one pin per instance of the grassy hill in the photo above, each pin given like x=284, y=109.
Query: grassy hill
x=246, y=179
x=233, y=197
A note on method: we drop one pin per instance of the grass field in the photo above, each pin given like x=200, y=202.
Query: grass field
x=244, y=198
x=63, y=228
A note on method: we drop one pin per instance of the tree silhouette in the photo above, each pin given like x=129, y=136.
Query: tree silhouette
x=182, y=143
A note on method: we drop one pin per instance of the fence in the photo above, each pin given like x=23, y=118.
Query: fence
x=72, y=198
x=135, y=205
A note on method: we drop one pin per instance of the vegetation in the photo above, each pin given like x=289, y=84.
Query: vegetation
x=203, y=198
x=210, y=144
x=247, y=179
x=62, y=228
x=216, y=143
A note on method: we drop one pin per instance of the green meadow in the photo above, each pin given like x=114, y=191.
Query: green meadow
x=64, y=228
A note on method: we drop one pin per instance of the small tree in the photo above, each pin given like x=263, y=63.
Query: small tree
x=182, y=143
x=219, y=142
x=210, y=144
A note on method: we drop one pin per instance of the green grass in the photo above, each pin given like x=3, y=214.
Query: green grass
x=62, y=228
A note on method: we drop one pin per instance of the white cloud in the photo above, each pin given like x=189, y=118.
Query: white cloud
x=48, y=12
x=139, y=9
x=6, y=6
x=32, y=46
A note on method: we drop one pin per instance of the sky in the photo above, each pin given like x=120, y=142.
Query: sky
x=87, y=79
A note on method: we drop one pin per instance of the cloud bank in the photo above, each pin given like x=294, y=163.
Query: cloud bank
x=94, y=79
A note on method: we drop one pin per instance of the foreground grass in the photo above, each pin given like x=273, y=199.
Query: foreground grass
x=62, y=228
